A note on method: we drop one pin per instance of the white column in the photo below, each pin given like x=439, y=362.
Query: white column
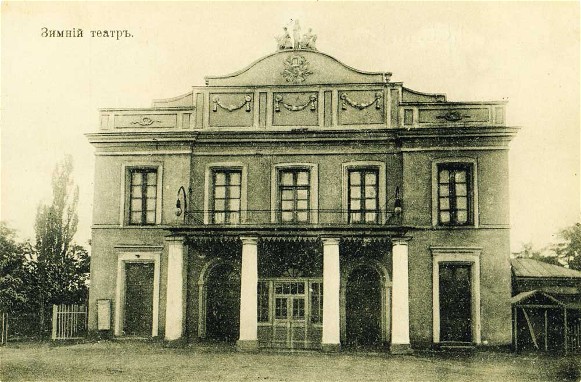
x=175, y=305
x=400, y=322
x=331, y=281
x=248, y=284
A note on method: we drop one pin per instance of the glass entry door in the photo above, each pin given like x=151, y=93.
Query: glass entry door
x=290, y=307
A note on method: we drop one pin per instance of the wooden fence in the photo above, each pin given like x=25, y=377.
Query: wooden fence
x=4, y=328
x=69, y=322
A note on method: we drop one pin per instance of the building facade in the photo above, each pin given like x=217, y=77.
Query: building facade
x=301, y=203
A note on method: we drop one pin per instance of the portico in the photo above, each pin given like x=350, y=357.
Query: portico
x=298, y=303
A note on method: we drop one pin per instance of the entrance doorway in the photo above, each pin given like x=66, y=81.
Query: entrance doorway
x=138, y=312
x=290, y=312
x=223, y=304
x=455, y=302
x=363, y=308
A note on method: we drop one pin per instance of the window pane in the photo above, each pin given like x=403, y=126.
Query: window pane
x=151, y=191
x=219, y=204
x=302, y=216
x=287, y=216
x=444, y=203
x=370, y=204
x=303, y=178
x=150, y=217
x=299, y=308
x=444, y=217
x=302, y=194
x=150, y=204
x=355, y=192
x=444, y=176
x=356, y=204
x=370, y=179
x=462, y=217
x=370, y=192
x=461, y=176
x=235, y=178
x=235, y=192
x=462, y=203
x=220, y=179
x=136, y=178
x=301, y=288
x=354, y=178
x=286, y=179
x=136, y=205
x=136, y=217
x=287, y=205
x=136, y=191
x=302, y=205
x=461, y=190
x=152, y=178
x=444, y=190
x=355, y=217
x=234, y=205
x=280, y=308
x=287, y=195
x=220, y=192
x=219, y=217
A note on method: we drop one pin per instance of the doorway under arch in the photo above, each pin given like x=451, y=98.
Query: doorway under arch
x=364, y=308
x=223, y=303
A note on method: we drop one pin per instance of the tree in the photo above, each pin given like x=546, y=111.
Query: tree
x=570, y=248
x=529, y=252
x=60, y=266
x=14, y=271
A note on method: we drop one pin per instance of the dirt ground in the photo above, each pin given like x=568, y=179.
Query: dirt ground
x=150, y=361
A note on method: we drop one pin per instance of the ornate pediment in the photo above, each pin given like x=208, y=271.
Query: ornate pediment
x=297, y=67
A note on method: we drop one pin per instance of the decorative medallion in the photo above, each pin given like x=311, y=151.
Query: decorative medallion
x=145, y=121
x=452, y=116
x=296, y=69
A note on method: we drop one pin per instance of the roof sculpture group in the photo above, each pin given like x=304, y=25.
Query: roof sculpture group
x=307, y=41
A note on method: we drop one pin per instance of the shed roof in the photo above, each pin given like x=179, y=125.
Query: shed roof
x=535, y=268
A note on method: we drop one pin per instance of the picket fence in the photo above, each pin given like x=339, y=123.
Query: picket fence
x=69, y=322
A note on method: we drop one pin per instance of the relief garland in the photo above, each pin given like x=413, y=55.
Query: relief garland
x=246, y=102
x=345, y=100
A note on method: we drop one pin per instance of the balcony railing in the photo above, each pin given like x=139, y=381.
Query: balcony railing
x=313, y=217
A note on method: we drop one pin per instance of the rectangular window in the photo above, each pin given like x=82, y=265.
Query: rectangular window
x=317, y=303
x=454, y=194
x=363, y=196
x=263, y=297
x=294, y=196
x=142, y=196
x=226, y=196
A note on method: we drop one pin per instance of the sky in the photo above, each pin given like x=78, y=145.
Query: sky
x=52, y=88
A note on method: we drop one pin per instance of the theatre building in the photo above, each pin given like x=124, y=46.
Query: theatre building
x=301, y=203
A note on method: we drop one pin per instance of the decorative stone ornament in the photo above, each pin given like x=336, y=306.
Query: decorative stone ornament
x=246, y=102
x=296, y=69
x=345, y=100
x=145, y=121
x=278, y=101
x=307, y=41
x=452, y=116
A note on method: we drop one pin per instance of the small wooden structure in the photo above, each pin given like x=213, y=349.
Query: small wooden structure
x=546, y=307
x=547, y=320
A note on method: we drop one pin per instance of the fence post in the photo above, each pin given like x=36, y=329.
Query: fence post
x=54, y=321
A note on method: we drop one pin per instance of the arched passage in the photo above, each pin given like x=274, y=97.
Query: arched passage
x=222, y=302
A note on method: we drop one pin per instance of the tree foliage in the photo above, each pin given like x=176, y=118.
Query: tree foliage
x=15, y=273
x=570, y=248
x=529, y=252
x=60, y=266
